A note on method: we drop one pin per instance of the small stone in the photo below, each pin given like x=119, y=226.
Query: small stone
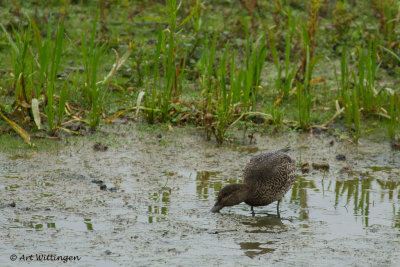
x=103, y=187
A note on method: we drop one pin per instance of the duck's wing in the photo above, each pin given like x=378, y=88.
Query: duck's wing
x=267, y=165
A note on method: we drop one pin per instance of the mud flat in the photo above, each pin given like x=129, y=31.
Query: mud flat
x=146, y=199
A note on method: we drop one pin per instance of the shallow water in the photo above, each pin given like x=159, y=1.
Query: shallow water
x=159, y=210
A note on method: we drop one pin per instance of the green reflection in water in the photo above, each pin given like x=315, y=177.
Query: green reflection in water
x=209, y=181
x=17, y=223
x=252, y=249
x=45, y=195
x=12, y=187
x=378, y=168
x=247, y=149
x=356, y=195
x=48, y=223
x=204, y=183
x=158, y=211
x=299, y=195
x=42, y=183
x=265, y=224
x=359, y=192
x=88, y=223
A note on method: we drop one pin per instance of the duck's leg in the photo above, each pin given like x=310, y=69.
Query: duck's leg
x=252, y=211
x=277, y=208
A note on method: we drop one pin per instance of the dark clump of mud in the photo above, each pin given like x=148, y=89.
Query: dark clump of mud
x=100, y=147
x=156, y=199
x=341, y=157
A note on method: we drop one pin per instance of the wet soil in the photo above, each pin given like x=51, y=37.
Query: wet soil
x=159, y=189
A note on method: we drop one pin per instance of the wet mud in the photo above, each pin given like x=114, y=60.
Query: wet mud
x=158, y=189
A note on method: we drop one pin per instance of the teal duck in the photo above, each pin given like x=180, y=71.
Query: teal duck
x=266, y=178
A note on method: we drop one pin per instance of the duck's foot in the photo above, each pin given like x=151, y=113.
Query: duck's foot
x=277, y=209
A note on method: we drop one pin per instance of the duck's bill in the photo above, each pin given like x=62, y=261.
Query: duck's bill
x=217, y=207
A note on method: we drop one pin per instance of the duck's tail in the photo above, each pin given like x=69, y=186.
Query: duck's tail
x=286, y=149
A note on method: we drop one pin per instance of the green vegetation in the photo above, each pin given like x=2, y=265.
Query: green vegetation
x=222, y=64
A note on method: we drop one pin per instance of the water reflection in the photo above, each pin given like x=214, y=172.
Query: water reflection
x=49, y=223
x=42, y=183
x=246, y=149
x=204, y=183
x=372, y=200
x=89, y=224
x=158, y=211
x=11, y=187
x=210, y=181
x=253, y=249
x=361, y=202
x=265, y=223
x=299, y=195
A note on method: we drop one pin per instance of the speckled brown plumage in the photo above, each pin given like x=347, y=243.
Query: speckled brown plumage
x=266, y=178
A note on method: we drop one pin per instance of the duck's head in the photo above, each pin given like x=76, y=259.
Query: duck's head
x=231, y=195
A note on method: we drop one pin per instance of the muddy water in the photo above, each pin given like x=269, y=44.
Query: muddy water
x=159, y=191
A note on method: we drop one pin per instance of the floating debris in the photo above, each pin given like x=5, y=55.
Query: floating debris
x=305, y=168
x=321, y=166
x=396, y=145
x=346, y=169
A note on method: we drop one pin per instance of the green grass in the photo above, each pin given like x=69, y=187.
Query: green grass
x=192, y=65
x=94, y=91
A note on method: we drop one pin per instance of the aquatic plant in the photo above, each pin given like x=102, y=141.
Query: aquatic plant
x=221, y=103
x=150, y=100
x=388, y=11
x=22, y=63
x=367, y=69
x=166, y=87
x=304, y=96
x=92, y=54
x=309, y=35
x=49, y=62
x=44, y=65
x=394, y=112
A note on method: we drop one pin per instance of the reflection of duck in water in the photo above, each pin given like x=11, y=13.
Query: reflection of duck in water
x=267, y=178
